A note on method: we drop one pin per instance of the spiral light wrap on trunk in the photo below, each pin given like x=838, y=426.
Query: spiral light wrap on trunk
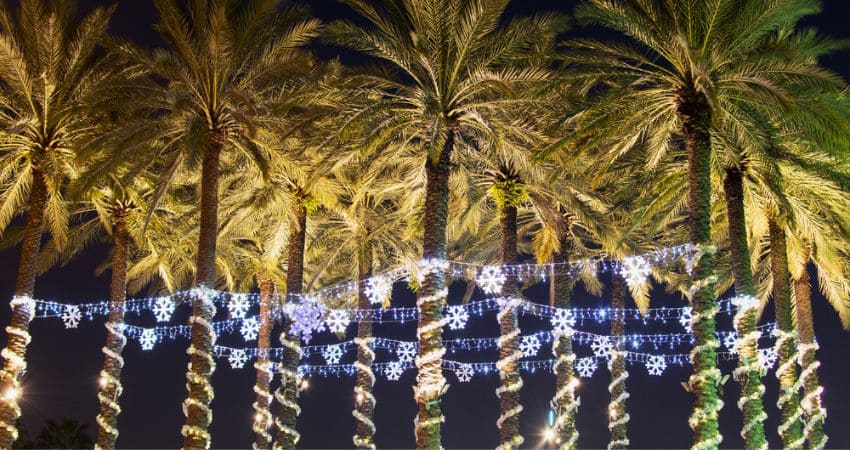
x=13, y=355
x=786, y=344
x=748, y=363
x=110, y=386
x=262, y=415
x=705, y=376
x=291, y=380
x=201, y=380
x=364, y=398
x=510, y=381
x=617, y=415
x=430, y=384
x=812, y=405
x=566, y=402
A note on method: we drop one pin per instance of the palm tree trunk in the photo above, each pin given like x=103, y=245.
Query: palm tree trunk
x=287, y=394
x=364, y=401
x=430, y=298
x=262, y=387
x=618, y=418
x=812, y=405
x=566, y=402
x=201, y=365
x=790, y=427
x=695, y=115
x=110, y=376
x=23, y=308
x=748, y=373
x=509, y=354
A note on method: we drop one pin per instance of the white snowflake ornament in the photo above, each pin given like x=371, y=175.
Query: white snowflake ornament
x=237, y=358
x=655, y=364
x=457, y=317
x=405, y=351
x=464, y=373
x=338, y=320
x=767, y=358
x=163, y=308
x=529, y=346
x=491, y=279
x=332, y=354
x=393, y=371
x=378, y=289
x=238, y=306
x=730, y=341
x=147, y=339
x=250, y=329
x=636, y=270
x=563, y=321
x=71, y=316
x=585, y=367
x=685, y=317
x=602, y=347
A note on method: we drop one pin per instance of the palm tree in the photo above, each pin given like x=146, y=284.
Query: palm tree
x=222, y=57
x=364, y=228
x=707, y=65
x=453, y=71
x=58, y=85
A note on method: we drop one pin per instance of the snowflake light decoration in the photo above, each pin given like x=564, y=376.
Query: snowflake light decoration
x=238, y=306
x=685, y=317
x=529, y=346
x=250, y=329
x=635, y=269
x=71, y=316
x=655, y=364
x=338, y=321
x=457, y=317
x=237, y=358
x=163, y=308
x=730, y=341
x=332, y=354
x=147, y=339
x=491, y=279
x=393, y=371
x=464, y=373
x=602, y=347
x=563, y=321
x=305, y=319
x=767, y=358
x=405, y=351
x=585, y=367
x=378, y=289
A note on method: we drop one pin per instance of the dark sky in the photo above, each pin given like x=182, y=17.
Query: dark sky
x=64, y=364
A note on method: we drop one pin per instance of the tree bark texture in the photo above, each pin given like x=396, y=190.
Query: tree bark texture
x=618, y=417
x=110, y=376
x=23, y=308
x=430, y=299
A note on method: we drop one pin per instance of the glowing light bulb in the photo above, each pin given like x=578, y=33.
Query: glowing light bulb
x=549, y=434
x=102, y=382
x=12, y=394
x=304, y=385
x=359, y=397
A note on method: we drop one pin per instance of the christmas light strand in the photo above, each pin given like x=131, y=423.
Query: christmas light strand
x=813, y=408
x=110, y=387
x=364, y=397
x=510, y=382
x=15, y=364
x=786, y=341
x=430, y=383
x=262, y=405
x=749, y=370
x=198, y=382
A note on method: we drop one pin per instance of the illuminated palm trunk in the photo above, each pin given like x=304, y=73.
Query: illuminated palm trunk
x=201, y=364
x=287, y=393
x=566, y=401
x=23, y=308
x=748, y=373
x=262, y=387
x=110, y=376
x=364, y=400
x=812, y=406
x=510, y=381
x=695, y=116
x=618, y=418
x=790, y=427
x=430, y=299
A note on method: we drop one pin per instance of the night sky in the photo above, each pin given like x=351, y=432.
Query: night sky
x=64, y=364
